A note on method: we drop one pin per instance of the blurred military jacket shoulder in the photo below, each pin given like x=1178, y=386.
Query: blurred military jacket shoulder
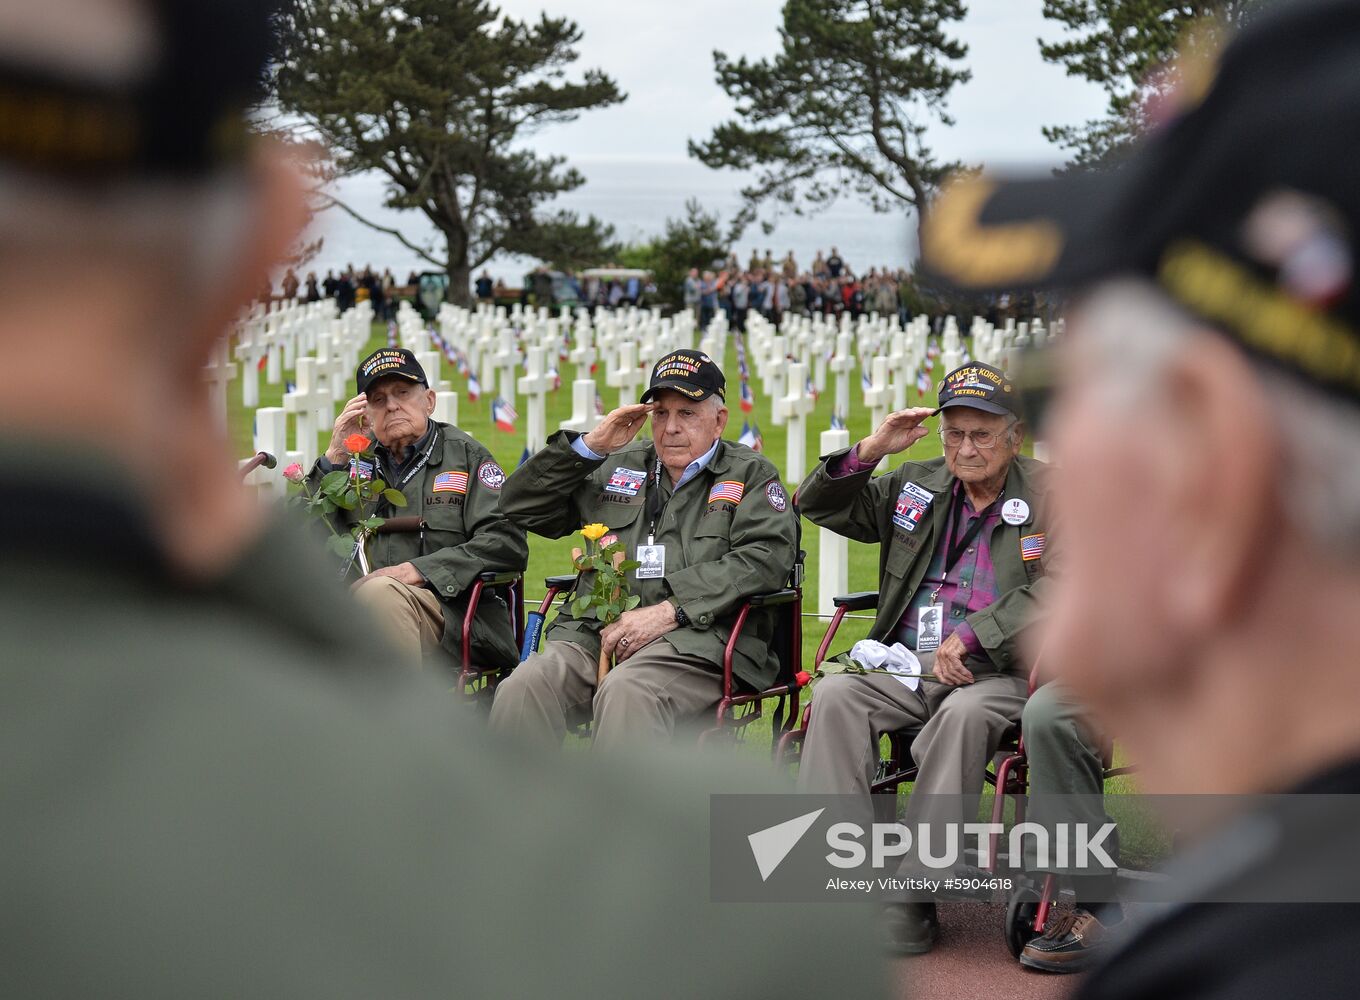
x=219, y=789
x=887, y=509
x=453, y=484
x=729, y=532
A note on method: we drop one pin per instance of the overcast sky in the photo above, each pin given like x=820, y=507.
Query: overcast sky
x=661, y=53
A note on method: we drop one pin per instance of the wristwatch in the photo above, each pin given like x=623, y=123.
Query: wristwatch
x=681, y=618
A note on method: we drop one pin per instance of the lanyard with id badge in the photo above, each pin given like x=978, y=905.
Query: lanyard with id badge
x=653, y=556
x=930, y=619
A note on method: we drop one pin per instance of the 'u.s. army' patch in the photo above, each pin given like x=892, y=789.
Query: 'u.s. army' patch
x=775, y=496
x=912, y=504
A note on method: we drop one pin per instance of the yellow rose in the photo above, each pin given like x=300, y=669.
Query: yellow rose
x=594, y=532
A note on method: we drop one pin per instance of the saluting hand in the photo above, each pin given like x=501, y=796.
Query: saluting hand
x=617, y=428
x=898, y=432
x=350, y=421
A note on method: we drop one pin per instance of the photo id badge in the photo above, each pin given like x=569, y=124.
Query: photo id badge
x=653, y=559
x=929, y=625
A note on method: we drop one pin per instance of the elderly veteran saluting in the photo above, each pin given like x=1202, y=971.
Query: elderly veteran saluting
x=452, y=483
x=963, y=551
x=710, y=523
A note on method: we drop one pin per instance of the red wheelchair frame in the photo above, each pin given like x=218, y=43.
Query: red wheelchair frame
x=1028, y=909
x=474, y=681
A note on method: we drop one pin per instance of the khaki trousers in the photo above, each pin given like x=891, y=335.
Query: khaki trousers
x=412, y=617
x=641, y=698
x=958, y=730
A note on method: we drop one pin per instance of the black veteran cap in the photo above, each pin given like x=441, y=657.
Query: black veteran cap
x=1243, y=205
x=690, y=373
x=980, y=386
x=166, y=92
x=388, y=361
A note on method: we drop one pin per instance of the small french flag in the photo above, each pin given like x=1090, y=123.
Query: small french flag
x=504, y=415
x=474, y=389
x=748, y=399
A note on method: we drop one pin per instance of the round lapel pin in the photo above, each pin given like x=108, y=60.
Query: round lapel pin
x=1015, y=511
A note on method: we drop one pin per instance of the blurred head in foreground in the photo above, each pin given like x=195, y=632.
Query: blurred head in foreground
x=136, y=216
x=1208, y=417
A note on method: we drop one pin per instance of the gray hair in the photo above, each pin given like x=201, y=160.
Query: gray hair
x=1137, y=330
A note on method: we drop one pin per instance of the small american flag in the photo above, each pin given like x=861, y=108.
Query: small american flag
x=729, y=490
x=1032, y=547
x=451, y=482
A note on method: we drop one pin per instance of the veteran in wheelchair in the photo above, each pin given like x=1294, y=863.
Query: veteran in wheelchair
x=964, y=551
x=711, y=527
x=441, y=577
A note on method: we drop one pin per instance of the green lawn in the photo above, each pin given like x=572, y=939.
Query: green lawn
x=1143, y=841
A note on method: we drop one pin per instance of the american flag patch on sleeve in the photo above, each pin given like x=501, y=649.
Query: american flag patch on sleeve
x=451, y=482
x=730, y=491
x=1032, y=547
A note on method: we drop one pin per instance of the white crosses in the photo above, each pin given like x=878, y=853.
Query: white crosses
x=583, y=415
x=506, y=358
x=842, y=364
x=217, y=373
x=306, y=402
x=250, y=349
x=900, y=363
x=430, y=361
x=793, y=408
x=626, y=377
x=536, y=385
x=775, y=369
x=446, y=407
x=878, y=397
x=271, y=435
x=583, y=355
x=833, y=553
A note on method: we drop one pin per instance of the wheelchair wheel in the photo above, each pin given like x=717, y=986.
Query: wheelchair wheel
x=1020, y=913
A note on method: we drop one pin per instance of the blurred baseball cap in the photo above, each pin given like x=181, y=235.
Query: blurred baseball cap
x=980, y=386
x=690, y=373
x=387, y=361
x=142, y=89
x=1244, y=209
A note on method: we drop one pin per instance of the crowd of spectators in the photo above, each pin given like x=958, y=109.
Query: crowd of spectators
x=347, y=288
x=773, y=288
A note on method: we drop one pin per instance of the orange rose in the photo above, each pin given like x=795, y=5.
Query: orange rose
x=357, y=444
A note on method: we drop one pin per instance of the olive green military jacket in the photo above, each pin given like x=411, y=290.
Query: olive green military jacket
x=861, y=507
x=729, y=532
x=223, y=788
x=456, y=493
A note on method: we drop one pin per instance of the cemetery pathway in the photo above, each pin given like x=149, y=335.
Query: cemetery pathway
x=972, y=962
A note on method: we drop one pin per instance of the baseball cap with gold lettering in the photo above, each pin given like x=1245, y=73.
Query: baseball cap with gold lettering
x=690, y=373
x=388, y=361
x=980, y=386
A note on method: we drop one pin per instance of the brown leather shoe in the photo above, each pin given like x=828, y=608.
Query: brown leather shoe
x=1069, y=944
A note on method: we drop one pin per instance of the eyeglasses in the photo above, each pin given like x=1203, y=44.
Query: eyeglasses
x=982, y=440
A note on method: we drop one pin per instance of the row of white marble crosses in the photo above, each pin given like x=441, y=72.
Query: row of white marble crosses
x=312, y=342
x=517, y=353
